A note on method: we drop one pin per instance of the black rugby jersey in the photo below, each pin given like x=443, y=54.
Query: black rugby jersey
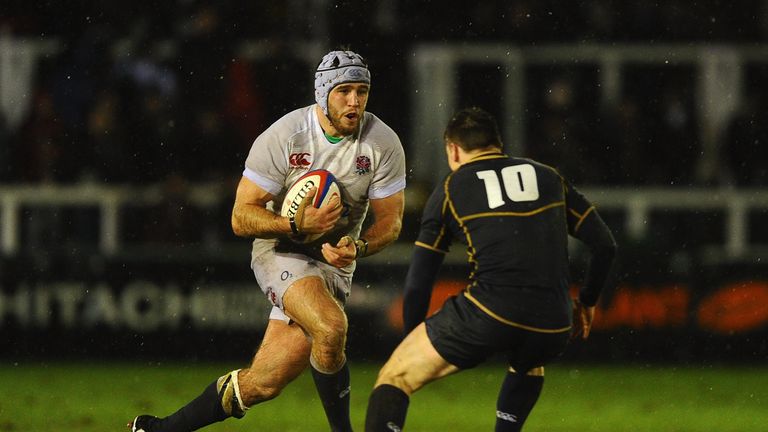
x=514, y=215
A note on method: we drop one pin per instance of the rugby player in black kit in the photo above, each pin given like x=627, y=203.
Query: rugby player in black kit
x=514, y=215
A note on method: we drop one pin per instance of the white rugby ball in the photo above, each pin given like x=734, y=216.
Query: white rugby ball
x=327, y=188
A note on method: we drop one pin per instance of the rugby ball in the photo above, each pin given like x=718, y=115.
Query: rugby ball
x=327, y=188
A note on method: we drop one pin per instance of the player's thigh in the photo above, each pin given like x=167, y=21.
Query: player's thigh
x=531, y=349
x=309, y=302
x=276, y=272
x=414, y=363
x=281, y=357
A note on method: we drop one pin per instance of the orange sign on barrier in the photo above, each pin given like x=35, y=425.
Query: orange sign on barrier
x=736, y=307
x=647, y=307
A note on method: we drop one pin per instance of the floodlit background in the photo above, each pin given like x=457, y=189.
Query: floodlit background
x=124, y=127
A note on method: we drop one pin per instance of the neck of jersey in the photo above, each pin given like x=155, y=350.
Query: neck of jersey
x=332, y=139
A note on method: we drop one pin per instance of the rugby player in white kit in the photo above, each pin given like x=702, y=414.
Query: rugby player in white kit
x=308, y=283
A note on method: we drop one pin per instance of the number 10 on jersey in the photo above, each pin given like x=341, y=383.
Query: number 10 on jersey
x=519, y=181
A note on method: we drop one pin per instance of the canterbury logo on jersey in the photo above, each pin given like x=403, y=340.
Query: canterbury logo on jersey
x=299, y=160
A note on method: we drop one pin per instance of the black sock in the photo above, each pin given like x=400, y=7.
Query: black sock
x=387, y=408
x=202, y=411
x=517, y=397
x=334, y=391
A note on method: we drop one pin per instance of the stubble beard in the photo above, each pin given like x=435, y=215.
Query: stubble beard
x=336, y=121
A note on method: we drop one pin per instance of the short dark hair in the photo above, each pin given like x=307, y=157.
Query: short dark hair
x=472, y=129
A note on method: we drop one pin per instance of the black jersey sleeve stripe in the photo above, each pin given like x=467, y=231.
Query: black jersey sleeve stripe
x=528, y=213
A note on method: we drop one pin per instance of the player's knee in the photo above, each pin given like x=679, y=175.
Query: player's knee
x=331, y=334
x=328, y=358
x=328, y=341
x=328, y=352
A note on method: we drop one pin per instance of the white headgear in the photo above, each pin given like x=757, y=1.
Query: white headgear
x=338, y=67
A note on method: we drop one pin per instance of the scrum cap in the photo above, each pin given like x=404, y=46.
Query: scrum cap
x=338, y=67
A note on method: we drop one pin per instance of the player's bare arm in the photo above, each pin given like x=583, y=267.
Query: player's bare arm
x=251, y=218
x=388, y=221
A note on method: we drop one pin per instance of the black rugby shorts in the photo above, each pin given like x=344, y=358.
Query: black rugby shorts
x=465, y=336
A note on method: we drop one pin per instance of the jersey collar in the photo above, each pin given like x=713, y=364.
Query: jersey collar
x=486, y=156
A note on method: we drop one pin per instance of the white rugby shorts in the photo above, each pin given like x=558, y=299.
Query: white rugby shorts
x=276, y=271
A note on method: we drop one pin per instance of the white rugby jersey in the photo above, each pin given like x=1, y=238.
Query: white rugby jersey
x=368, y=165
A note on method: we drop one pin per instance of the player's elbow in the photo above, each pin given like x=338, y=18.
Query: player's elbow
x=237, y=225
x=390, y=232
x=397, y=226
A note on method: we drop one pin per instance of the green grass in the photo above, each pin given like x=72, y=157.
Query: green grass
x=103, y=397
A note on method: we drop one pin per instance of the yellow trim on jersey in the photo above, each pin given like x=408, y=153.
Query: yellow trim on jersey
x=487, y=156
x=470, y=248
x=528, y=213
x=580, y=216
x=508, y=322
x=426, y=246
x=581, y=219
x=437, y=240
x=441, y=234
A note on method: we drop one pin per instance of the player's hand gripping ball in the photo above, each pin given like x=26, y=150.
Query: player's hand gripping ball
x=294, y=202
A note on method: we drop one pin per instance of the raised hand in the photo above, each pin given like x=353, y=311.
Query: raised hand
x=582, y=319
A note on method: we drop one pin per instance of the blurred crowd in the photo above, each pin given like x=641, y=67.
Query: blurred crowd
x=165, y=92
x=140, y=92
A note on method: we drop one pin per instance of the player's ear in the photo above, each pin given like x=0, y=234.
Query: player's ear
x=453, y=152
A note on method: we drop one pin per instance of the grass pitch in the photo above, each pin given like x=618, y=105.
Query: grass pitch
x=102, y=397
